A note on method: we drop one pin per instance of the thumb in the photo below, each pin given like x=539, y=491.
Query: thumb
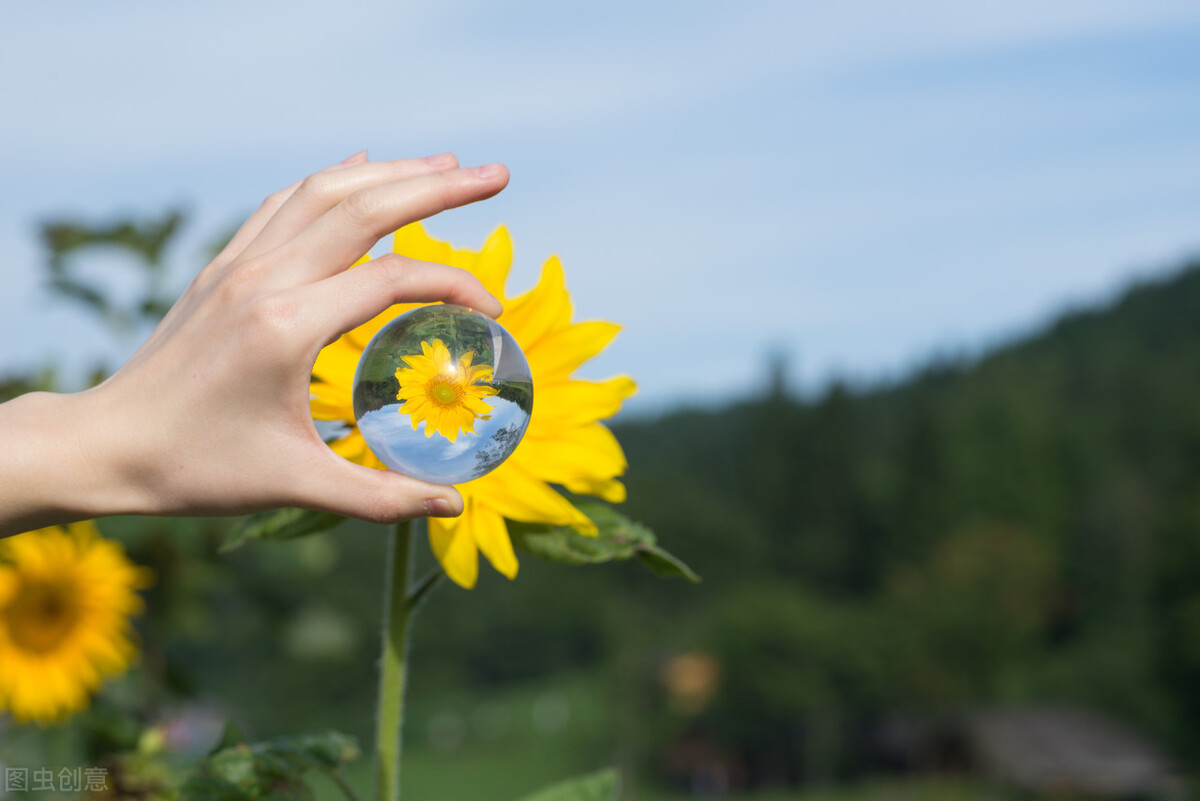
x=379, y=496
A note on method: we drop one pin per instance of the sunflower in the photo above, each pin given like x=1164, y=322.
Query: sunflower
x=447, y=397
x=66, y=596
x=565, y=444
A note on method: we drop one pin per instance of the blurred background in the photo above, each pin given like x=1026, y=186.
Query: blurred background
x=911, y=294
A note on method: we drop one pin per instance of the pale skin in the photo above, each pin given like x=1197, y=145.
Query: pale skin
x=211, y=415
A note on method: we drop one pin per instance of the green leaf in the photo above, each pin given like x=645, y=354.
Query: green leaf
x=210, y=788
x=281, y=524
x=330, y=749
x=272, y=769
x=666, y=564
x=618, y=539
x=240, y=766
x=602, y=785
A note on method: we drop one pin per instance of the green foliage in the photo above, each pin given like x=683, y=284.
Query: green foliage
x=146, y=241
x=977, y=612
x=270, y=770
x=618, y=538
x=373, y=394
x=281, y=524
x=602, y=785
x=795, y=667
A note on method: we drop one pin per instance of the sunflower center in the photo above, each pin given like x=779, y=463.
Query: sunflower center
x=444, y=392
x=41, y=615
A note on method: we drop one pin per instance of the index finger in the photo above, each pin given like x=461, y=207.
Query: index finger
x=349, y=299
x=337, y=238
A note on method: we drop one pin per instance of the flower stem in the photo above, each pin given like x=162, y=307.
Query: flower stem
x=393, y=666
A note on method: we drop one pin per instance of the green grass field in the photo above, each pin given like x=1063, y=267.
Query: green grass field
x=507, y=777
x=506, y=746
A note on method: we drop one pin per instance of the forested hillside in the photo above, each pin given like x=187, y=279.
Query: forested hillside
x=1022, y=528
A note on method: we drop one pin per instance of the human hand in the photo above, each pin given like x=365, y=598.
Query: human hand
x=211, y=415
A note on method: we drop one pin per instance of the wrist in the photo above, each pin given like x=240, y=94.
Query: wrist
x=70, y=461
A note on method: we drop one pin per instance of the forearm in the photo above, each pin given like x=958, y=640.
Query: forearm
x=63, y=462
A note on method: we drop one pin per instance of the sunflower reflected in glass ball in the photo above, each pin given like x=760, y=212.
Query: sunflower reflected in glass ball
x=443, y=393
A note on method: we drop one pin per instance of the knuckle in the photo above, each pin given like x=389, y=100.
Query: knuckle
x=274, y=200
x=238, y=280
x=360, y=207
x=314, y=187
x=392, y=271
x=467, y=281
x=274, y=317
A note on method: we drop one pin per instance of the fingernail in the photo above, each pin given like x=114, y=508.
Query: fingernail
x=439, y=507
x=489, y=170
x=441, y=160
x=359, y=156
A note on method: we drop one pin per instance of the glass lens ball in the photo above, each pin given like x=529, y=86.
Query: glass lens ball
x=443, y=393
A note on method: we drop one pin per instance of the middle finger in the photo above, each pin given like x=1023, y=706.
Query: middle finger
x=321, y=191
x=333, y=241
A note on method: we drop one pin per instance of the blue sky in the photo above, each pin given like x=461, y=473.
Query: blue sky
x=860, y=185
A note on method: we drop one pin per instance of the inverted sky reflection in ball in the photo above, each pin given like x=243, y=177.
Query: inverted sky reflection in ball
x=443, y=393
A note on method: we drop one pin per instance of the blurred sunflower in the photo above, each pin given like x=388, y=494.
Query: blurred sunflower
x=66, y=596
x=565, y=443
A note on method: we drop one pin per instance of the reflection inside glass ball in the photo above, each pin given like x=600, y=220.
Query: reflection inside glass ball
x=443, y=393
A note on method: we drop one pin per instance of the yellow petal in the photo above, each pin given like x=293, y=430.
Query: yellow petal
x=465, y=419
x=494, y=262
x=410, y=390
x=575, y=402
x=447, y=424
x=611, y=490
x=412, y=241
x=583, y=455
x=560, y=353
x=8, y=585
x=331, y=402
x=353, y=447
x=454, y=546
x=490, y=265
x=491, y=535
x=476, y=406
x=514, y=493
x=441, y=357
x=541, y=310
x=481, y=374
x=336, y=363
